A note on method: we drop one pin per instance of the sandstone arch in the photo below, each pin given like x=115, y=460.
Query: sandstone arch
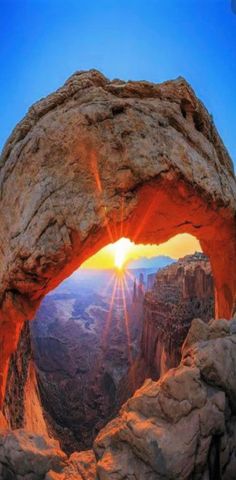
x=98, y=160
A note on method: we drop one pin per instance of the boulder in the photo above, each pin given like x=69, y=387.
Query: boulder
x=29, y=456
x=182, y=426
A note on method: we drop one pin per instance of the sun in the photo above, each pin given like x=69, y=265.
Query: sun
x=121, y=249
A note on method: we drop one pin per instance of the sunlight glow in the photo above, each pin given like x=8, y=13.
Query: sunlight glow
x=120, y=253
x=121, y=250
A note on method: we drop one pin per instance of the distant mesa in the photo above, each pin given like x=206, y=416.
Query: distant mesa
x=155, y=263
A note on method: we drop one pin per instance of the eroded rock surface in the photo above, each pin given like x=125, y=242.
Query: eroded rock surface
x=98, y=160
x=25, y=456
x=181, y=292
x=178, y=293
x=180, y=428
x=22, y=406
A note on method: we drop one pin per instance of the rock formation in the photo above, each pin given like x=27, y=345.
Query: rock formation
x=181, y=292
x=102, y=159
x=179, y=428
x=22, y=405
x=182, y=426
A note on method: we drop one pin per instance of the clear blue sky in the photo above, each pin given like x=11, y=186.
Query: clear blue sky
x=42, y=42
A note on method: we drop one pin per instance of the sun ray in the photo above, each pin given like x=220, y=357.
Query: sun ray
x=126, y=321
x=109, y=315
x=128, y=289
x=107, y=286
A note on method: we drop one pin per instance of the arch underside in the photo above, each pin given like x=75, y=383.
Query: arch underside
x=77, y=175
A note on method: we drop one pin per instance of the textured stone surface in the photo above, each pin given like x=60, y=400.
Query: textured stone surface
x=181, y=292
x=28, y=456
x=22, y=405
x=93, y=154
x=182, y=426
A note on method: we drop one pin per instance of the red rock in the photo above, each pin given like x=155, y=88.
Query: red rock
x=181, y=292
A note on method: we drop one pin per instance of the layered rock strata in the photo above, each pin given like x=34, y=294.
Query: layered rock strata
x=182, y=291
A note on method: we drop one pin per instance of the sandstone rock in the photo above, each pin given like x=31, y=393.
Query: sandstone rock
x=56, y=476
x=181, y=292
x=98, y=153
x=22, y=406
x=3, y=422
x=219, y=328
x=199, y=330
x=80, y=466
x=83, y=464
x=180, y=427
x=26, y=455
x=232, y=325
x=216, y=360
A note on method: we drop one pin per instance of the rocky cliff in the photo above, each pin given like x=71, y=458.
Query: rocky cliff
x=182, y=291
x=177, y=293
x=182, y=427
x=22, y=406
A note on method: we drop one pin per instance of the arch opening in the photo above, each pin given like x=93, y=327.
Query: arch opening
x=106, y=328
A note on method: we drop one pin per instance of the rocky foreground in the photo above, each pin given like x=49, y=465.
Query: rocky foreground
x=181, y=427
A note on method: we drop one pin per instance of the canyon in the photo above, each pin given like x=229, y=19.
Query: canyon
x=97, y=337
x=93, y=162
x=84, y=338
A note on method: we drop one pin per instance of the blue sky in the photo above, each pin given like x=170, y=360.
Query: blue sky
x=42, y=42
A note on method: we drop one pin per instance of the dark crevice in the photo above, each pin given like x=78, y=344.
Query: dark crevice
x=214, y=459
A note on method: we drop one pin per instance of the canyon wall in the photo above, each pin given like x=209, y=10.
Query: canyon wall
x=22, y=406
x=181, y=292
x=176, y=295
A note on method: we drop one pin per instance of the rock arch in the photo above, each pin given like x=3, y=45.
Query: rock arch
x=98, y=160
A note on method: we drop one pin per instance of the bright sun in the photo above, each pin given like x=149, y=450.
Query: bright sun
x=121, y=250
